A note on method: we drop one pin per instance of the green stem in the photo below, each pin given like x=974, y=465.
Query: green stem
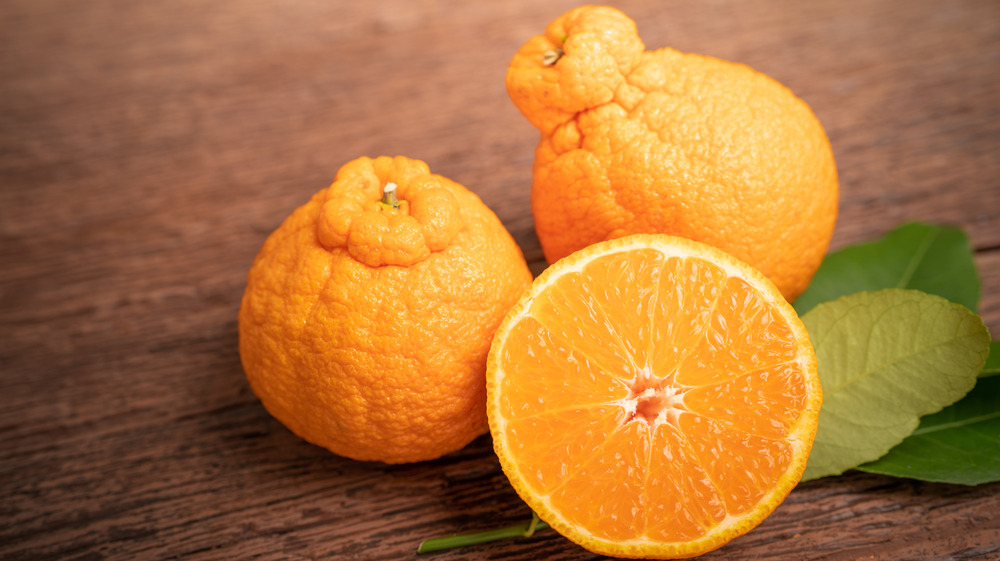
x=523, y=530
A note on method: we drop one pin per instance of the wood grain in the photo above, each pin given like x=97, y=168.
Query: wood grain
x=148, y=148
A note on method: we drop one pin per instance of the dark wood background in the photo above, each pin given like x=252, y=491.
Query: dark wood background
x=148, y=148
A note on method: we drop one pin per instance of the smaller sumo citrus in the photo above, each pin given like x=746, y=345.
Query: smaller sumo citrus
x=368, y=314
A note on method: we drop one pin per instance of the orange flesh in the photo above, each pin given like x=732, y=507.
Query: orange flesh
x=651, y=425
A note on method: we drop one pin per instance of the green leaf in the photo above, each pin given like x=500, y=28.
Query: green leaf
x=887, y=358
x=960, y=444
x=992, y=367
x=933, y=259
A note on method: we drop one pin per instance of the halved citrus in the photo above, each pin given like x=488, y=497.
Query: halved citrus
x=651, y=396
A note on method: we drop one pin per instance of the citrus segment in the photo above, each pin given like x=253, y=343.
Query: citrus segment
x=720, y=447
x=767, y=402
x=552, y=385
x=616, y=473
x=575, y=308
x=633, y=284
x=651, y=396
x=688, y=502
x=574, y=435
x=756, y=339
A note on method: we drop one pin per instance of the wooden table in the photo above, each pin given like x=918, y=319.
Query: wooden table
x=148, y=148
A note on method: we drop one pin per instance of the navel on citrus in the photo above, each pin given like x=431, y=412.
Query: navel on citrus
x=636, y=141
x=368, y=314
x=651, y=396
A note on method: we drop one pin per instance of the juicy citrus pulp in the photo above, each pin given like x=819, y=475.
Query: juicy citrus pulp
x=652, y=397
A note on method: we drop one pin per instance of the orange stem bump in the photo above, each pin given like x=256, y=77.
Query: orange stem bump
x=389, y=196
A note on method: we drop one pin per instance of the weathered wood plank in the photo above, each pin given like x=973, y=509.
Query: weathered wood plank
x=147, y=149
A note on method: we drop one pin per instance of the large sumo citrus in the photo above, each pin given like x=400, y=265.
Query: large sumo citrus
x=636, y=141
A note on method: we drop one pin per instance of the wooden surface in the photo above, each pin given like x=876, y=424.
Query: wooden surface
x=148, y=148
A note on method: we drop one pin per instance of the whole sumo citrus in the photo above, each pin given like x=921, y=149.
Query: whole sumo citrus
x=368, y=314
x=636, y=141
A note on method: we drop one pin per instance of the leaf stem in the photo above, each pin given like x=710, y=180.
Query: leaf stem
x=522, y=530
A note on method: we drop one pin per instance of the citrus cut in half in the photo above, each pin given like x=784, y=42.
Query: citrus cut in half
x=652, y=397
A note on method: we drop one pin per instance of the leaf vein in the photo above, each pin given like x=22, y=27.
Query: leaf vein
x=962, y=423
x=901, y=359
x=917, y=258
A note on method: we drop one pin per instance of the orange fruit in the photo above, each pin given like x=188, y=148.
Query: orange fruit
x=365, y=327
x=636, y=141
x=650, y=396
